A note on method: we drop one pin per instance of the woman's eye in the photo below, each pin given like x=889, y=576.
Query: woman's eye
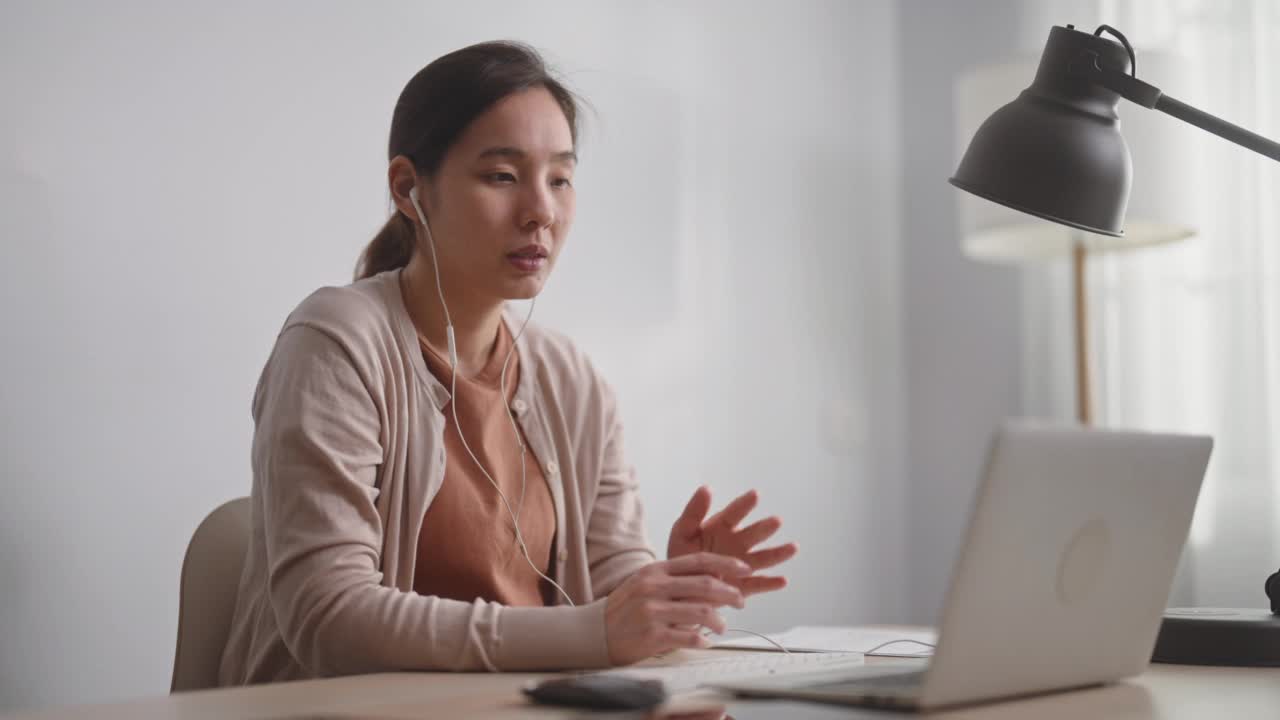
x=501, y=177
x=562, y=183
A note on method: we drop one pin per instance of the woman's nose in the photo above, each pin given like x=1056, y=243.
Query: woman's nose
x=537, y=210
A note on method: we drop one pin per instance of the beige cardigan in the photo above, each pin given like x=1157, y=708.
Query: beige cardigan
x=347, y=455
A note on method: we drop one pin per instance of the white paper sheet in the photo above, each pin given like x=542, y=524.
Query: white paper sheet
x=814, y=638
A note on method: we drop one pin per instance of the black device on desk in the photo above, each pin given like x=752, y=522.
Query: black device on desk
x=598, y=692
x=1239, y=637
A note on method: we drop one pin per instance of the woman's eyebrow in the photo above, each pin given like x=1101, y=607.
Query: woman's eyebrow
x=516, y=153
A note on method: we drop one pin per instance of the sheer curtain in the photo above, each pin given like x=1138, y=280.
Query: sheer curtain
x=1187, y=337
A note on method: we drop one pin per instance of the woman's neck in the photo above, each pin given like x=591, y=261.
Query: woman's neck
x=475, y=322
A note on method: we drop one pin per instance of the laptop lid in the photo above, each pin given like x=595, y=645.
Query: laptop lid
x=1068, y=560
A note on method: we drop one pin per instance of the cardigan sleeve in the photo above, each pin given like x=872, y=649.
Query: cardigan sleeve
x=617, y=545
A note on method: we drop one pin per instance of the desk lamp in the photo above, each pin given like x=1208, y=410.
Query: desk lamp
x=1159, y=208
x=1055, y=152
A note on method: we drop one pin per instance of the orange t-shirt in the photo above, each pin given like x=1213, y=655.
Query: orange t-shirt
x=467, y=540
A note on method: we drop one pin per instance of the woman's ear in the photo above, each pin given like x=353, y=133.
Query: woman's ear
x=402, y=177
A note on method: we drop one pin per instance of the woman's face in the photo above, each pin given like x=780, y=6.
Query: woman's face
x=502, y=201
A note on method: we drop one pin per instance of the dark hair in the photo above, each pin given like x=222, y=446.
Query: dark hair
x=434, y=108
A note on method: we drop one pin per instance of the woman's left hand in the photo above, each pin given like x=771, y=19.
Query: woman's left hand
x=694, y=532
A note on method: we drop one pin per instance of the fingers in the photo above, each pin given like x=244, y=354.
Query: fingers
x=735, y=511
x=770, y=557
x=757, y=584
x=690, y=521
x=759, y=531
x=703, y=588
x=693, y=614
x=676, y=638
x=706, y=563
x=711, y=713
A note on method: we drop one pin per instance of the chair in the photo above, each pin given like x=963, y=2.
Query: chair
x=207, y=596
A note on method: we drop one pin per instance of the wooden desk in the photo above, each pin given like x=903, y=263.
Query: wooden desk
x=1167, y=692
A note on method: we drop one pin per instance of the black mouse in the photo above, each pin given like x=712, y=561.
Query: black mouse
x=598, y=692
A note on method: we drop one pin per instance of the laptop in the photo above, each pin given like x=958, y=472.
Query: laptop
x=1062, y=579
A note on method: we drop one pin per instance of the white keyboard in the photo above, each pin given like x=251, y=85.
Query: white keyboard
x=681, y=673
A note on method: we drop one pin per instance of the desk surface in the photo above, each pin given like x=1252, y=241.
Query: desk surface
x=1168, y=692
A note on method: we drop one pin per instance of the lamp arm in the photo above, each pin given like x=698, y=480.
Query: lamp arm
x=1150, y=96
x=1219, y=127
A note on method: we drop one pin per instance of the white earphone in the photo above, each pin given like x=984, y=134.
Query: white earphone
x=453, y=371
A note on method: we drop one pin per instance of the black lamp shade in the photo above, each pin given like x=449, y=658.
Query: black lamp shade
x=1056, y=151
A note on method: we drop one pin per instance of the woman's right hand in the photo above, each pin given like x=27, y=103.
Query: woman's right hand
x=661, y=606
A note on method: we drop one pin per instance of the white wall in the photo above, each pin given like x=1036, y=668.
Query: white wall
x=962, y=318
x=173, y=180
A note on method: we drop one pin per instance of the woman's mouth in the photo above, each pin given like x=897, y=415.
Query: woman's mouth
x=530, y=258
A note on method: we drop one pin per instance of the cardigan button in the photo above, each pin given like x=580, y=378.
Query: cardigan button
x=519, y=406
x=553, y=468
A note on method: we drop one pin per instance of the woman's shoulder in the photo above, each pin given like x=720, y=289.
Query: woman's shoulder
x=563, y=363
x=552, y=347
x=359, y=314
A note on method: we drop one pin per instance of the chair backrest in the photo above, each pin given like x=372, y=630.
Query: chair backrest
x=207, y=596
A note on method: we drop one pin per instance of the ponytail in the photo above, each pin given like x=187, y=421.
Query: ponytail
x=391, y=248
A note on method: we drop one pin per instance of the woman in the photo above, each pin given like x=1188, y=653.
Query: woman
x=432, y=490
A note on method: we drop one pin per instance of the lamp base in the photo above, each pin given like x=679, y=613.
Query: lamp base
x=1219, y=636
